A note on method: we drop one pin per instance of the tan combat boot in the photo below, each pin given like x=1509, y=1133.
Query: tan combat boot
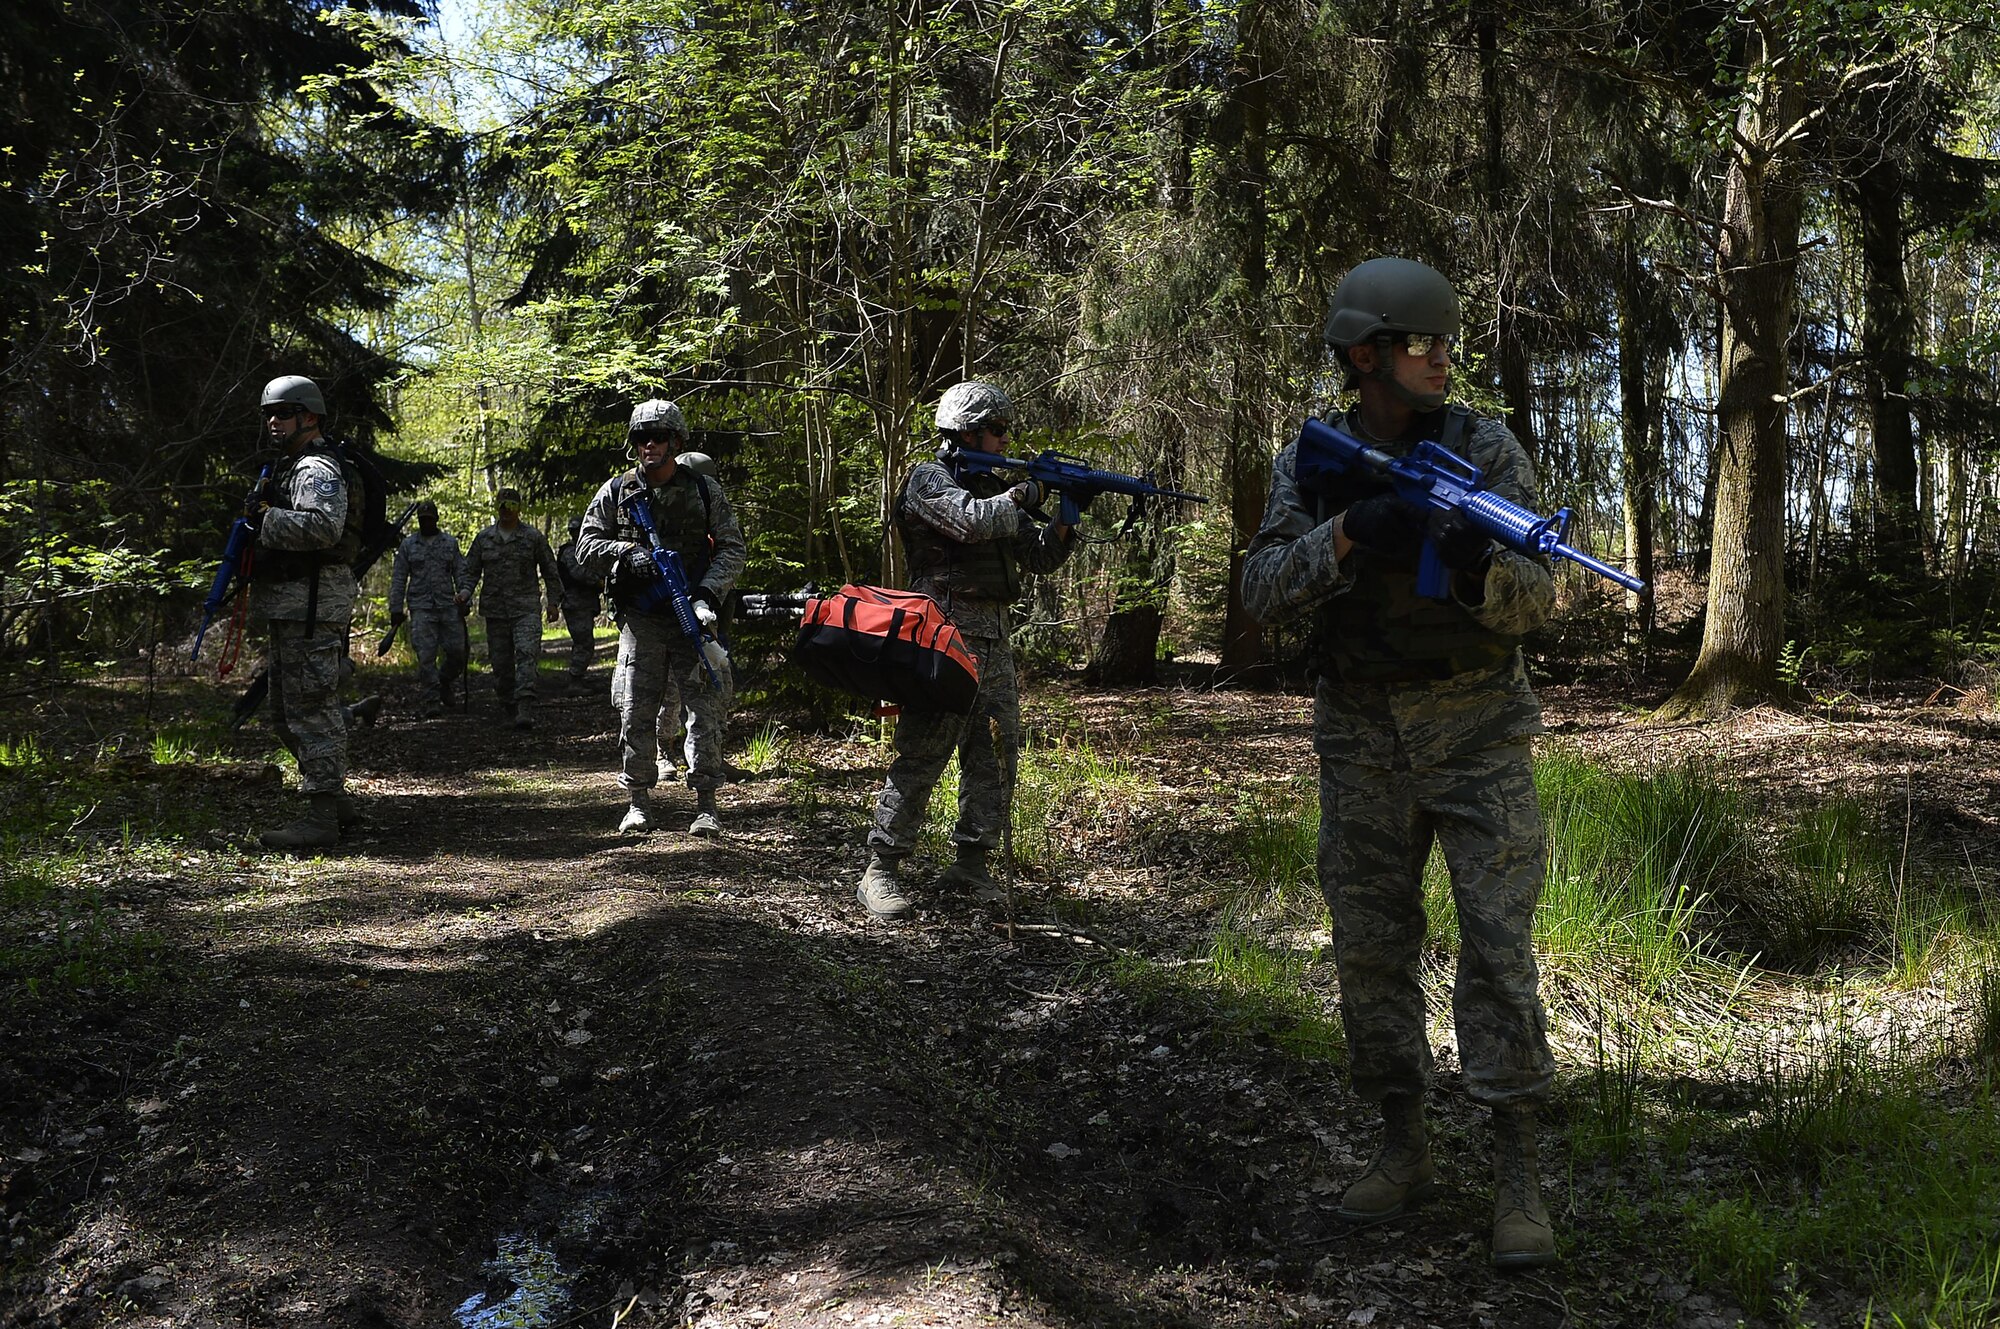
x=1402, y=1175
x=319, y=828
x=639, y=816
x=1522, y=1235
x=881, y=892
x=969, y=872
x=705, y=823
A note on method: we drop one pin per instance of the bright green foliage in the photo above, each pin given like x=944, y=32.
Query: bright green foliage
x=172, y=208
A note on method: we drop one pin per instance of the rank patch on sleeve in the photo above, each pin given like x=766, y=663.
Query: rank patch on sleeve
x=326, y=488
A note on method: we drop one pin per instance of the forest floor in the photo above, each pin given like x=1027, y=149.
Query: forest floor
x=491, y=1060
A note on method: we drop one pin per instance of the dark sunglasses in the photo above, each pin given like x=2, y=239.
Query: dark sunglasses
x=283, y=412
x=655, y=436
x=1420, y=343
x=998, y=428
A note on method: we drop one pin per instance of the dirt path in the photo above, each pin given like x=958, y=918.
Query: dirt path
x=491, y=1052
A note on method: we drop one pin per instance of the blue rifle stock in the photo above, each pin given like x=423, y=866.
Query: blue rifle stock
x=1436, y=479
x=1076, y=483
x=241, y=536
x=670, y=590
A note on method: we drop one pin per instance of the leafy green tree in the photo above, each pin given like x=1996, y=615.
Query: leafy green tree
x=170, y=198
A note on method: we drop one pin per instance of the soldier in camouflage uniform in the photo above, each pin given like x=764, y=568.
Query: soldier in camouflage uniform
x=674, y=717
x=582, y=598
x=508, y=555
x=302, y=591
x=1422, y=719
x=968, y=539
x=694, y=519
x=429, y=576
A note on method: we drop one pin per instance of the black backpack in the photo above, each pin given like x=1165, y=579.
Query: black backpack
x=369, y=532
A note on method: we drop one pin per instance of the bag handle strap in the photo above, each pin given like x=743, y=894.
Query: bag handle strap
x=895, y=627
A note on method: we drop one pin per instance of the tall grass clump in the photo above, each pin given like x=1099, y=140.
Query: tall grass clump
x=20, y=754
x=1277, y=844
x=1631, y=861
x=1066, y=782
x=175, y=746
x=1833, y=884
x=764, y=750
x=1610, y=1123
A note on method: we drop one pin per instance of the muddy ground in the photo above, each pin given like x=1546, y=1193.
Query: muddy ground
x=490, y=1054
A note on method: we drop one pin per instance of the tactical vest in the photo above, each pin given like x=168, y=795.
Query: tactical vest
x=681, y=514
x=298, y=564
x=1381, y=630
x=981, y=571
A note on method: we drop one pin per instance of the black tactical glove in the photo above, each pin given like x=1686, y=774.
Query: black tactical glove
x=1385, y=524
x=1029, y=494
x=637, y=562
x=1461, y=546
x=397, y=619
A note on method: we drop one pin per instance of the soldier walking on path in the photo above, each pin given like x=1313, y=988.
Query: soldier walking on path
x=429, y=577
x=508, y=555
x=968, y=541
x=1422, y=717
x=673, y=715
x=582, y=599
x=307, y=518
x=694, y=519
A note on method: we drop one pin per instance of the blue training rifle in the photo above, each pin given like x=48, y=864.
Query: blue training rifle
x=1075, y=482
x=1434, y=479
x=242, y=535
x=669, y=591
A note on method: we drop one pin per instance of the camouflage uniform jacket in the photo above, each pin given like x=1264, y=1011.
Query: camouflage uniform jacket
x=932, y=497
x=581, y=593
x=309, y=513
x=1290, y=571
x=429, y=572
x=508, y=561
x=693, y=517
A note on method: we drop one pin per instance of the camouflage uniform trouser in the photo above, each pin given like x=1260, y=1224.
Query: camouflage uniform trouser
x=988, y=744
x=435, y=632
x=304, y=680
x=673, y=720
x=582, y=643
x=654, y=659
x=514, y=649
x=1376, y=828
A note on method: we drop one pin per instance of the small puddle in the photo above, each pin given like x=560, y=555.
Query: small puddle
x=540, y=1289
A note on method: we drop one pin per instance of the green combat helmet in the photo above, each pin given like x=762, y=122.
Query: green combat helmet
x=972, y=405
x=1390, y=295
x=655, y=416
x=293, y=390
x=698, y=462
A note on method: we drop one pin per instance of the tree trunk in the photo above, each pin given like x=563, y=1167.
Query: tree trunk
x=1249, y=459
x=1886, y=331
x=1128, y=651
x=1757, y=274
x=1640, y=436
x=1516, y=384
